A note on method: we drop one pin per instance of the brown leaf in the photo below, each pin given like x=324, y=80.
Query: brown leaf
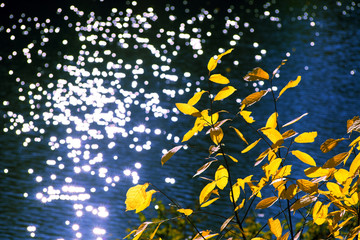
x=330, y=144
x=289, y=133
x=336, y=160
x=267, y=202
x=256, y=74
x=253, y=98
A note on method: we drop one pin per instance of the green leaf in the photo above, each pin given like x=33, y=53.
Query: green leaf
x=256, y=74
x=224, y=93
x=218, y=78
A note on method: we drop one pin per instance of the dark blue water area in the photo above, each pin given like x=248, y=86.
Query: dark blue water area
x=88, y=92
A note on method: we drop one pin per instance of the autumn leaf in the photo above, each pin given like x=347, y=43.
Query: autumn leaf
x=288, y=134
x=207, y=203
x=336, y=160
x=137, y=198
x=335, y=189
x=218, y=78
x=272, y=134
x=304, y=157
x=204, y=235
x=203, y=168
x=216, y=135
x=226, y=223
x=221, y=177
x=224, y=93
x=246, y=116
x=294, y=120
x=355, y=165
x=353, y=124
x=213, y=62
x=256, y=74
x=267, y=202
x=307, y=186
x=169, y=154
x=187, y=212
x=314, y=172
x=241, y=136
x=195, y=99
x=303, y=202
x=291, y=84
x=277, y=69
x=157, y=228
x=272, y=120
x=253, y=98
x=251, y=146
x=275, y=227
x=204, y=195
x=188, y=109
x=306, y=137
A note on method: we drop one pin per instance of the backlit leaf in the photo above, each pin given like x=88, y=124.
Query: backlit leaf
x=206, y=191
x=169, y=154
x=216, y=135
x=320, y=212
x=203, y=168
x=273, y=167
x=251, y=146
x=275, y=227
x=224, y=93
x=291, y=84
x=187, y=212
x=354, y=142
x=157, y=228
x=272, y=121
x=285, y=236
x=267, y=202
x=303, y=202
x=241, y=136
x=256, y=74
x=341, y=175
x=334, y=189
x=355, y=165
x=188, y=109
x=353, y=124
x=212, y=64
x=247, y=117
x=195, y=99
x=306, y=137
x=336, y=160
x=253, y=98
x=283, y=172
x=235, y=191
x=304, y=157
x=207, y=203
x=218, y=78
x=307, y=186
x=290, y=192
x=288, y=134
x=226, y=223
x=225, y=53
x=272, y=134
x=240, y=206
x=294, y=121
x=140, y=230
x=330, y=144
x=221, y=177
x=137, y=198
x=315, y=172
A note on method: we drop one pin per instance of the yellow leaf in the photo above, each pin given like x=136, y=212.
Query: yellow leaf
x=285, y=236
x=240, y=206
x=277, y=69
x=353, y=143
x=205, y=193
x=275, y=227
x=236, y=192
x=140, y=230
x=153, y=234
x=232, y=158
x=306, y=137
x=283, y=172
x=253, y=98
x=336, y=160
x=267, y=202
x=303, y=202
x=355, y=165
x=251, y=146
x=334, y=189
x=320, y=212
x=207, y=203
x=272, y=120
x=291, y=84
x=169, y=154
x=341, y=175
x=187, y=212
x=224, y=93
x=294, y=121
x=216, y=135
x=290, y=192
x=247, y=117
x=256, y=74
x=188, y=109
x=330, y=144
x=195, y=99
x=137, y=198
x=204, y=235
x=353, y=200
x=307, y=186
x=212, y=64
x=288, y=134
x=189, y=135
x=304, y=157
x=218, y=78
x=221, y=177
x=273, y=167
x=314, y=172
x=240, y=135
x=272, y=134
x=225, y=53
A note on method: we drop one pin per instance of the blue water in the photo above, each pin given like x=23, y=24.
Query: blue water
x=88, y=93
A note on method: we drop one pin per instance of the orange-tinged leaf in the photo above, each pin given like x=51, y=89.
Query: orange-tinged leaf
x=212, y=64
x=247, y=117
x=195, y=99
x=353, y=124
x=314, y=172
x=241, y=136
x=288, y=134
x=207, y=203
x=256, y=74
x=307, y=186
x=330, y=144
x=290, y=192
x=187, y=212
x=253, y=98
x=169, y=154
x=304, y=157
x=221, y=177
x=334, y=189
x=216, y=135
x=272, y=120
x=355, y=165
x=224, y=93
x=188, y=109
x=291, y=84
x=272, y=134
x=283, y=172
x=203, y=168
x=306, y=137
x=336, y=160
x=204, y=195
x=303, y=202
x=267, y=202
x=275, y=227
x=218, y=78
x=294, y=121
x=251, y=146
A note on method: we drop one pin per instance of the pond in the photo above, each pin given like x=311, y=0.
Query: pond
x=88, y=93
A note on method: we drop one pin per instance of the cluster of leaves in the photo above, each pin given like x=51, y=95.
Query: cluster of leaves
x=328, y=195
